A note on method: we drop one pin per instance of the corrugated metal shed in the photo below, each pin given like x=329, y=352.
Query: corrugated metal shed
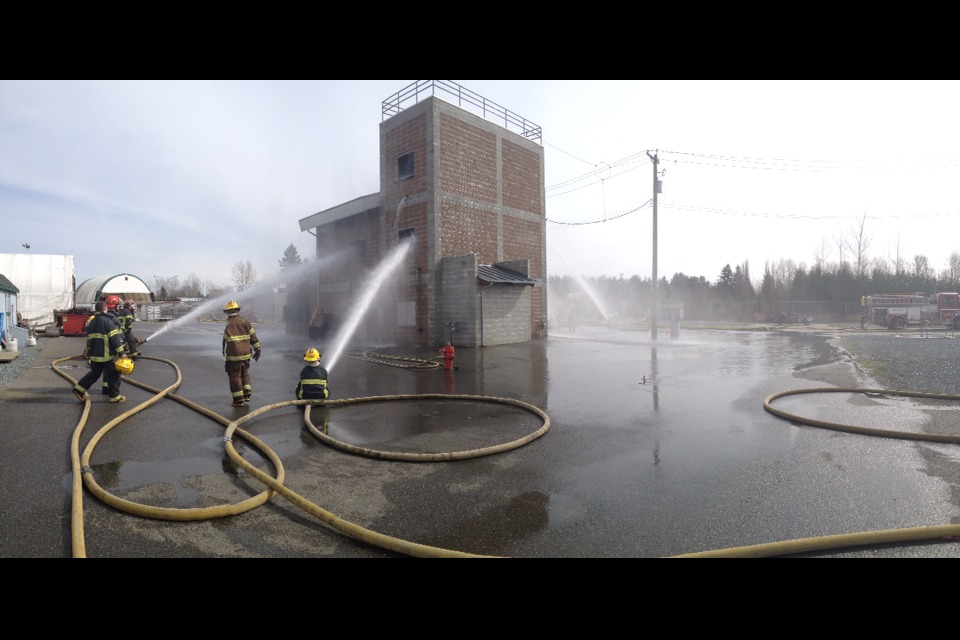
x=125, y=285
x=493, y=274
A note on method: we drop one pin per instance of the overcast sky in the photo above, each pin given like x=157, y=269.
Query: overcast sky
x=172, y=178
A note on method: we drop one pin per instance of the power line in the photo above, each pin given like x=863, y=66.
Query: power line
x=569, y=154
x=749, y=163
x=608, y=218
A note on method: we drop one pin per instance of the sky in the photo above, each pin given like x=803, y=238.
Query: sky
x=169, y=178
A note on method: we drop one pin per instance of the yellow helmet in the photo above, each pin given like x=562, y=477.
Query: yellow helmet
x=231, y=306
x=124, y=365
x=312, y=355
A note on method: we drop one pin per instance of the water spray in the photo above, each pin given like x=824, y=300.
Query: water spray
x=360, y=307
x=301, y=271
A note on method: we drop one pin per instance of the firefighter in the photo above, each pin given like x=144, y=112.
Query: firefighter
x=448, y=354
x=240, y=344
x=114, y=305
x=104, y=349
x=313, y=379
x=128, y=313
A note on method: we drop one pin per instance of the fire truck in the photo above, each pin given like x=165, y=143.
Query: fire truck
x=899, y=310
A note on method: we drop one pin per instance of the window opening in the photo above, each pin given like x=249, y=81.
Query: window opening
x=405, y=166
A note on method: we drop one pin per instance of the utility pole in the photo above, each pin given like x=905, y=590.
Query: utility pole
x=656, y=188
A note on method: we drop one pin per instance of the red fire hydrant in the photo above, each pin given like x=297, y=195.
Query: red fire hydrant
x=447, y=353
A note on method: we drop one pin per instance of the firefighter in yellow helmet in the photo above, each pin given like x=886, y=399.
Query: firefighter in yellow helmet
x=240, y=344
x=313, y=379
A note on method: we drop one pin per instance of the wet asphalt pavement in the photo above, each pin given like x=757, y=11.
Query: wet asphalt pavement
x=652, y=449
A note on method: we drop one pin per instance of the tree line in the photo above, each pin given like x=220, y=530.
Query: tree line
x=832, y=289
x=243, y=274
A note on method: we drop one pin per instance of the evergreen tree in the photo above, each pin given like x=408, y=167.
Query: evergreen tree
x=291, y=258
x=725, y=283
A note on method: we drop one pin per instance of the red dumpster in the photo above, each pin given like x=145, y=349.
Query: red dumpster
x=72, y=324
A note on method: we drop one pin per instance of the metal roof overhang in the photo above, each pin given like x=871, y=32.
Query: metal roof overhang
x=341, y=211
x=492, y=274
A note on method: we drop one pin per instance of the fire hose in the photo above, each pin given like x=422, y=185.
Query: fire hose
x=83, y=473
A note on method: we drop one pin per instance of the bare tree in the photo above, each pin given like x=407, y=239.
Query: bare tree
x=899, y=262
x=858, y=243
x=881, y=265
x=209, y=289
x=841, y=248
x=953, y=266
x=821, y=255
x=921, y=266
x=190, y=288
x=244, y=275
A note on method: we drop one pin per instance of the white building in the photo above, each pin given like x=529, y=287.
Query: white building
x=45, y=283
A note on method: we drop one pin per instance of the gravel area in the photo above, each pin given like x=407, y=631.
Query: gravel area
x=10, y=371
x=907, y=361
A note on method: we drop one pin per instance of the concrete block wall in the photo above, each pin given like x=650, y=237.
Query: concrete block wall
x=458, y=293
x=506, y=314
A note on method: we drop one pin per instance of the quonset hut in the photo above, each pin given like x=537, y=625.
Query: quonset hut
x=124, y=285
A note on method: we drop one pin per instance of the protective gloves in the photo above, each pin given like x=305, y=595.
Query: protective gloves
x=256, y=355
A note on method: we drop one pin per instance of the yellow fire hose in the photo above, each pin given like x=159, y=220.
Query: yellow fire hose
x=887, y=536
x=276, y=484
x=81, y=466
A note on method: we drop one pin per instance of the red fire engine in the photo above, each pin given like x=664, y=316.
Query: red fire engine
x=899, y=310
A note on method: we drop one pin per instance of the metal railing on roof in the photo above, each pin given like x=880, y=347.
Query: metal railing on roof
x=412, y=94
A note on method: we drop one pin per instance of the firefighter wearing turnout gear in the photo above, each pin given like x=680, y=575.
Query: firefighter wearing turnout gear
x=127, y=315
x=240, y=344
x=104, y=346
x=313, y=379
x=114, y=306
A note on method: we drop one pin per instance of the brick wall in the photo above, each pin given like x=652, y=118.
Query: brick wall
x=465, y=229
x=407, y=135
x=476, y=190
x=522, y=181
x=466, y=160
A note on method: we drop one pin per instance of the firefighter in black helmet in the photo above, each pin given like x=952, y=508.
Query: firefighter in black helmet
x=128, y=313
x=240, y=344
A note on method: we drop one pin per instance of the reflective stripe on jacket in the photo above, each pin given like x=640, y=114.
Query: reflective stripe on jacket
x=126, y=320
x=312, y=384
x=104, y=338
x=239, y=339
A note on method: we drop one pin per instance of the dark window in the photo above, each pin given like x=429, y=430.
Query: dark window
x=403, y=234
x=405, y=166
